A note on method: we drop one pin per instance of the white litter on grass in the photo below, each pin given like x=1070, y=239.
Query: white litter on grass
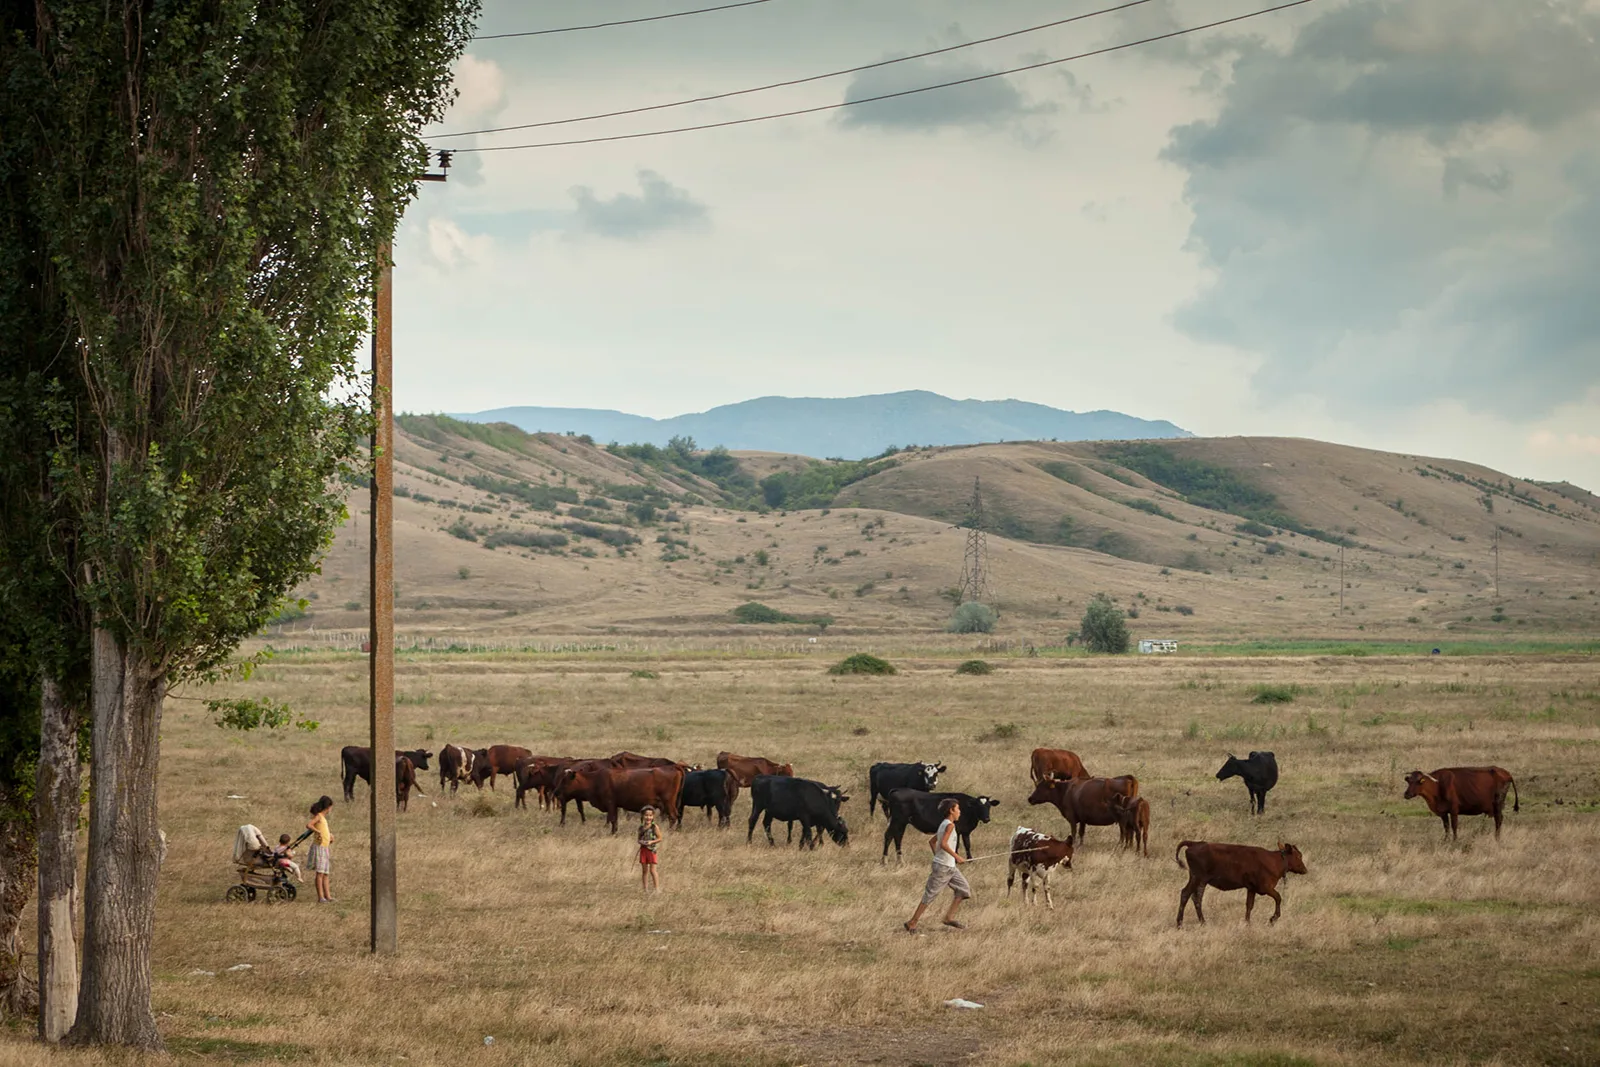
x=236, y=796
x=208, y=974
x=240, y=967
x=959, y=1003
x=488, y=1040
x=659, y=931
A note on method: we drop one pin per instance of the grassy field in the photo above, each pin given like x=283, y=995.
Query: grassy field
x=1398, y=947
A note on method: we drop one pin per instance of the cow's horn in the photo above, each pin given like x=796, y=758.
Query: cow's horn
x=1428, y=776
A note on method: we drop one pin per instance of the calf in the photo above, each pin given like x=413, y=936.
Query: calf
x=532, y=776
x=356, y=762
x=1229, y=867
x=885, y=778
x=1451, y=792
x=1133, y=819
x=1260, y=773
x=1084, y=802
x=914, y=807
x=405, y=780
x=497, y=760
x=455, y=767
x=710, y=790
x=1056, y=761
x=745, y=768
x=790, y=799
x=1035, y=855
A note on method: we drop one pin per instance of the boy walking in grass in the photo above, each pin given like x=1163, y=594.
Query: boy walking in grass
x=649, y=844
x=944, y=873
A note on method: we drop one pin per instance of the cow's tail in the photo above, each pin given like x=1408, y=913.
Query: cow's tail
x=1516, y=801
x=1181, y=846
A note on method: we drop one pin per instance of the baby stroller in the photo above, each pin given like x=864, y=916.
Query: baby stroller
x=258, y=869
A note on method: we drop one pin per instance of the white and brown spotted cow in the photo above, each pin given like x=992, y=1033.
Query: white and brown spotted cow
x=455, y=766
x=1035, y=855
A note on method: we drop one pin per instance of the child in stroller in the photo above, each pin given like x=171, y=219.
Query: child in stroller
x=262, y=868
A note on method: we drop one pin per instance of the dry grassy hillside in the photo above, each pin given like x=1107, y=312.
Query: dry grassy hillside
x=515, y=535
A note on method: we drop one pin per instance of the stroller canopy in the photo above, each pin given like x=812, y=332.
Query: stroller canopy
x=246, y=843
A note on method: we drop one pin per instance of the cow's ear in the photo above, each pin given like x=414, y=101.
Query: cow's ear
x=994, y=803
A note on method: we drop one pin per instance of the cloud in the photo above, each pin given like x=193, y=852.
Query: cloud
x=987, y=104
x=659, y=207
x=1354, y=206
x=451, y=246
x=1582, y=444
x=480, y=90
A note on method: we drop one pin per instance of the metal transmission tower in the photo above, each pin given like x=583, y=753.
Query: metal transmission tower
x=975, y=564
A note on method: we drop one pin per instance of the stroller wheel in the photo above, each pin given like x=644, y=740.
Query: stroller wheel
x=237, y=894
x=289, y=889
x=278, y=893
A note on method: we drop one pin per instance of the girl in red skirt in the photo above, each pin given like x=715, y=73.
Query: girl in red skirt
x=649, y=844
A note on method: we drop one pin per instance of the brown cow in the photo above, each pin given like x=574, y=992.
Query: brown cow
x=1056, y=761
x=1451, y=792
x=532, y=775
x=1229, y=867
x=635, y=789
x=632, y=761
x=497, y=760
x=1084, y=802
x=745, y=768
x=405, y=780
x=1034, y=855
x=1133, y=818
x=582, y=780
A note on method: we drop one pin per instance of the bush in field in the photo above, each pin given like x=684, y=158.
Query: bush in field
x=1275, y=694
x=973, y=618
x=525, y=539
x=1103, y=628
x=750, y=611
x=862, y=663
x=975, y=666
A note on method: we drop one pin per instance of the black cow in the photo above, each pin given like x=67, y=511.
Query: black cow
x=1260, y=773
x=710, y=790
x=797, y=800
x=885, y=778
x=918, y=808
x=357, y=763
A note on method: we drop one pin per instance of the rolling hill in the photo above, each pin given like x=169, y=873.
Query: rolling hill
x=500, y=532
x=851, y=427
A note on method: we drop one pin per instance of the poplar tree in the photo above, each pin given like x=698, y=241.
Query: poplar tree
x=208, y=186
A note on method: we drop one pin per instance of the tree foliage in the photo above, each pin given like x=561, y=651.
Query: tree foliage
x=1104, y=628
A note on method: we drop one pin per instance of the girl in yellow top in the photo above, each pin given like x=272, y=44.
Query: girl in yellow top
x=319, y=858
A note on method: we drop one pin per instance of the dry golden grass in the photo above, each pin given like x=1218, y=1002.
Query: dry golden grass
x=1397, y=948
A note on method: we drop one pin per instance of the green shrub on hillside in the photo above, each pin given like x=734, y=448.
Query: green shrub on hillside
x=973, y=618
x=862, y=663
x=975, y=666
x=753, y=612
x=1104, y=629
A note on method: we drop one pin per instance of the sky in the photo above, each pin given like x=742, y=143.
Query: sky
x=1369, y=222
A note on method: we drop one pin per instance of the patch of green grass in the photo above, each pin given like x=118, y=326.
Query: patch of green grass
x=1392, y=648
x=1175, y=1055
x=232, y=1051
x=1401, y=944
x=1385, y=905
x=1276, y=694
x=1001, y=731
x=643, y=674
x=975, y=666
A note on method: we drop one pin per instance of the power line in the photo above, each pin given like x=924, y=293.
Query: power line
x=798, y=81
x=890, y=96
x=619, y=22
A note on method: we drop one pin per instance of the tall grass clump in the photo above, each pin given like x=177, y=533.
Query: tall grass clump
x=862, y=663
x=975, y=666
x=1275, y=694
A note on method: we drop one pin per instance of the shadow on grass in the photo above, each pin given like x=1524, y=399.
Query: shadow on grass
x=229, y=1050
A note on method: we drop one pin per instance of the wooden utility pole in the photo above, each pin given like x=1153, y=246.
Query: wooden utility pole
x=380, y=634
x=385, y=915
x=1497, y=562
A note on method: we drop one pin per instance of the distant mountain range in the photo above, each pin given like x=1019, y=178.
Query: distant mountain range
x=847, y=427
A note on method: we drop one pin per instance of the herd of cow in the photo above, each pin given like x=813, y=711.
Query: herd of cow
x=631, y=782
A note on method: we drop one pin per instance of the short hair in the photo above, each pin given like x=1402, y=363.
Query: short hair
x=283, y=839
x=947, y=805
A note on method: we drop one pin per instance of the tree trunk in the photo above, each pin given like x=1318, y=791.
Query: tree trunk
x=124, y=850
x=56, y=823
x=17, y=994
